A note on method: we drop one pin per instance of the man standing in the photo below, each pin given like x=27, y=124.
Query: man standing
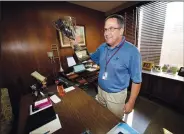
x=119, y=62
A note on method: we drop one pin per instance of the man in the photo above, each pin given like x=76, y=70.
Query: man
x=119, y=62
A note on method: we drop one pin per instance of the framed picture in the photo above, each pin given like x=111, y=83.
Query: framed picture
x=80, y=37
x=147, y=65
x=65, y=41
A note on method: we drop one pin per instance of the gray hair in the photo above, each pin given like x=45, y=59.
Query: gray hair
x=119, y=18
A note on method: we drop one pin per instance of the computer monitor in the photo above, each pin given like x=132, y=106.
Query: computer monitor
x=70, y=61
x=79, y=68
x=82, y=55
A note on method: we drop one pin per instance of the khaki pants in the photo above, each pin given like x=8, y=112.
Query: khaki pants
x=113, y=101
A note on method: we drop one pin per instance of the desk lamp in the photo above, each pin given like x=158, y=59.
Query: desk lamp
x=51, y=56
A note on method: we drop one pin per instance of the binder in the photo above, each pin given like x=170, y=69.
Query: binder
x=48, y=128
x=39, y=119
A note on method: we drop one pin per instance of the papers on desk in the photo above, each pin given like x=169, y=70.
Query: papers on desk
x=95, y=66
x=69, y=89
x=91, y=69
x=55, y=99
x=84, y=61
x=71, y=62
x=38, y=76
x=122, y=128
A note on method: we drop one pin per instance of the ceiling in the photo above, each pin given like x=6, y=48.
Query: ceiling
x=102, y=6
x=107, y=7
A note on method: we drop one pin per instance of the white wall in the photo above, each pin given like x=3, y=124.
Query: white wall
x=172, y=45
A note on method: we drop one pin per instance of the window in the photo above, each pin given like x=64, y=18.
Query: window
x=129, y=15
x=160, y=32
x=172, y=45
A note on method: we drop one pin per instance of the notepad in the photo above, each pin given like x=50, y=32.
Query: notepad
x=122, y=128
x=38, y=76
x=55, y=99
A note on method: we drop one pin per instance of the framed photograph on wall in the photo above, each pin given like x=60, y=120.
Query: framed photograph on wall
x=80, y=37
x=65, y=41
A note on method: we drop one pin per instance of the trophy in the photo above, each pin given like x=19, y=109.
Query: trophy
x=67, y=25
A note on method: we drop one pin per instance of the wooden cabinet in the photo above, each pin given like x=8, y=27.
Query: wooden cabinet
x=165, y=89
x=145, y=86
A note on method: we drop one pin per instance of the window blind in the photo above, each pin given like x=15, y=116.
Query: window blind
x=130, y=21
x=151, y=21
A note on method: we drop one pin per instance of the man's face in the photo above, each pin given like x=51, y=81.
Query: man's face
x=112, y=32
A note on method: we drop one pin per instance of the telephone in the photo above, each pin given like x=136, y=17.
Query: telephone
x=181, y=72
x=62, y=79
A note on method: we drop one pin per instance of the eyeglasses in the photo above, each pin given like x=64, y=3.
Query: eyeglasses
x=111, y=29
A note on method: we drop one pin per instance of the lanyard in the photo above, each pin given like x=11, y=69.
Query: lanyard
x=107, y=62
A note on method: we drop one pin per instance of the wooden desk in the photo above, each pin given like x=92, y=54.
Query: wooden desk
x=77, y=111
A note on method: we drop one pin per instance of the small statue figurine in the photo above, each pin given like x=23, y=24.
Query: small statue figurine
x=40, y=86
x=60, y=86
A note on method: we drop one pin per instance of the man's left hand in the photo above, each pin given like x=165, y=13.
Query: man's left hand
x=128, y=107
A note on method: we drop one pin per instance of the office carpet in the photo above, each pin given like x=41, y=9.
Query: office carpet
x=149, y=117
x=6, y=115
x=166, y=121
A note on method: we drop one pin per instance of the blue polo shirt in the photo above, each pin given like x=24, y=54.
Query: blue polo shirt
x=126, y=64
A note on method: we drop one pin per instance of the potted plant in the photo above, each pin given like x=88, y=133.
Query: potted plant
x=165, y=68
x=172, y=70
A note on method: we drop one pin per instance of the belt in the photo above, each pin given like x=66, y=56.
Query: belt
x=112, y=92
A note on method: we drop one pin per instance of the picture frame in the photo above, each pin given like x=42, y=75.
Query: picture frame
x=80, y=37
x=147, y=65
x=64, y=41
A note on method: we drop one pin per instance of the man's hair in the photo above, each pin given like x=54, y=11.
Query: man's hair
x=119, y=18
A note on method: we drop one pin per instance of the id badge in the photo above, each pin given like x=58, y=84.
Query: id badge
x=104, y=77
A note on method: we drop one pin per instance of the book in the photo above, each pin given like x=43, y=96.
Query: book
x=40, y=105
x=38, y=76
x=35, y=110
x=122, y=128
